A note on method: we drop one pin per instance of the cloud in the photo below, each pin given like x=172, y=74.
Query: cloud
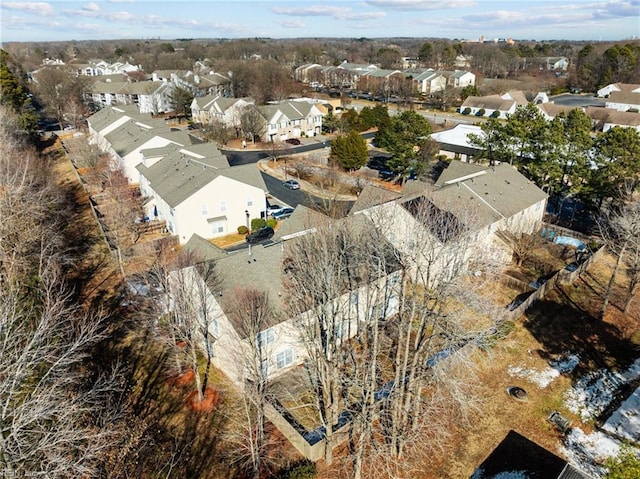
x=508, y=17
x=14, y=22
x=155, y=22
x=292, y=24
x=420, y=4
x=616, y=9
x=122, y=1
x=91, y=7
x=339, y=13
x=42, y=9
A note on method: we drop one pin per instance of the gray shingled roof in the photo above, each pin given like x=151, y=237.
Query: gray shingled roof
x=518, y=96
x=630, y=98
x=302, y=219
x=108, y=115
x=615, y=117
x=261, y=267
x=373, y=195
x=108, y=87
x=500, y=192
x=292, y=110
x=175, y=177
x=554, y=110
x=426, y=75
x=381, y=73
x=492, y=102
x=218, y=103
x=131, y=135
x=627, y=87
x=214, y=79
x=128, y=88
x=202, y=250
x=258, y=267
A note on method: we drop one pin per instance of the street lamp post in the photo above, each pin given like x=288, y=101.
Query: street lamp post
x=246, y=213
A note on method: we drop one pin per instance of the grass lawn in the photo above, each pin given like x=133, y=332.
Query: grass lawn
x=563, y=322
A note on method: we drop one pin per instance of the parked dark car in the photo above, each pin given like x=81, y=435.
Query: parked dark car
x=260, y=235
x=282, y=214
x=291, y=184
x=292, y=141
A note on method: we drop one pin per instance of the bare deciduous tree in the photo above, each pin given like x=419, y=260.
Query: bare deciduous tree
x=252, y=122
x=621, y=230
x=522, y=245
x=193, y=315
x=122, y=211
x=340, y=288
x=393, y=354
x=252, y=313
x=53, y=419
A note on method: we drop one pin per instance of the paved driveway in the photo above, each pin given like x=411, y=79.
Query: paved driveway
x=568, y=99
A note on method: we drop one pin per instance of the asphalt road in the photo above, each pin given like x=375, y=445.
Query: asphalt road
x=293, y=198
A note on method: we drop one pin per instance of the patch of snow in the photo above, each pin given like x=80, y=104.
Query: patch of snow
x=138, y=288
x=625, y=421
x=589, y=397
x=592, y=393
x=564, y=364
x=479, y=474
x=589, y=450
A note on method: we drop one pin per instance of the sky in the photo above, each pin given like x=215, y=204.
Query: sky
x=455, y=19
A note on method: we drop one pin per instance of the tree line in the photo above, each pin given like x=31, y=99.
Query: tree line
x=563, y=156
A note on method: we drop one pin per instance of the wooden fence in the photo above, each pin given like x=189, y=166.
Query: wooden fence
x=566, y=275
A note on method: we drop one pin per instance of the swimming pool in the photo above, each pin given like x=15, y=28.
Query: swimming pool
x=570, y=241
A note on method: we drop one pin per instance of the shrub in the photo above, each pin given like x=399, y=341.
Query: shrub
x=243, y=230
x=481, y=112
x=495, y=114
x=272, y=222
x=257, y=223
x=299, y=470
x=466, y=111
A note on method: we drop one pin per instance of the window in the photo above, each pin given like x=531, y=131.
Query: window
x=213, y=327
x=339, y=329
x=205, y=210
x=266, y=337
x=264, y=367
x=217, y=227
x=284, y=358
x=223, y=206
x=249, y=201
x=354, y=297
x=171, y=212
